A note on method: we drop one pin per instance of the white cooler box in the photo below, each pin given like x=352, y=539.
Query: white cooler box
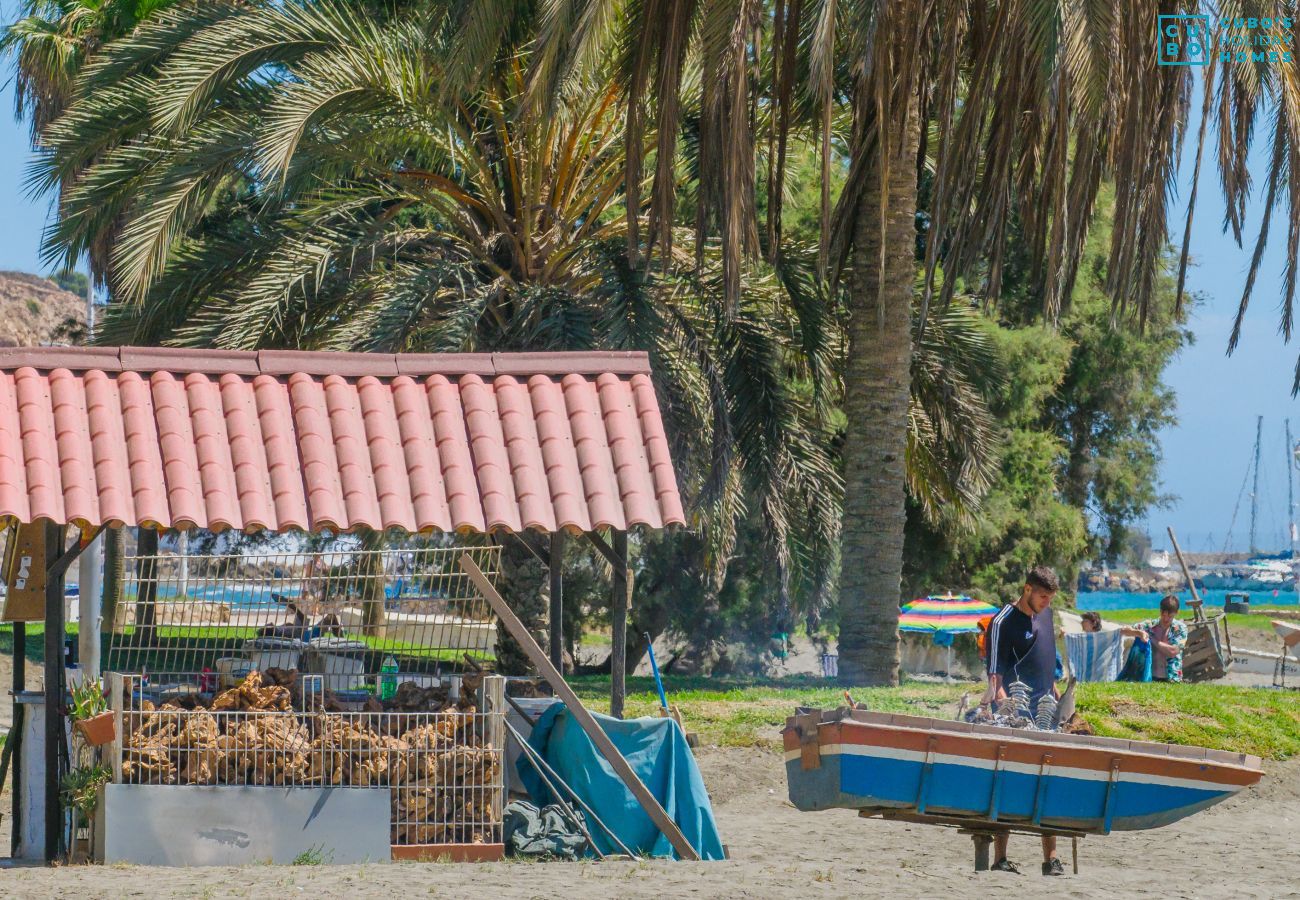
x=273, y=653
x=342, y=662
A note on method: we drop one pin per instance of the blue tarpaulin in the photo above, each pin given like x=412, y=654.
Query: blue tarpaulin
x=656, y=750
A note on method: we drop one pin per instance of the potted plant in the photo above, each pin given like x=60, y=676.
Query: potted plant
x=81, y=788
x=90, y=713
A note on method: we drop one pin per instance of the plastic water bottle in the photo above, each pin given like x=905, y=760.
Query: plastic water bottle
x=388, y=678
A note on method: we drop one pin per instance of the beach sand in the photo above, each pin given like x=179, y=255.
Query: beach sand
x=1245, y=848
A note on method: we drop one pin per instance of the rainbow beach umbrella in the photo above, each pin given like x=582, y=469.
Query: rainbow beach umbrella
x=944, y=614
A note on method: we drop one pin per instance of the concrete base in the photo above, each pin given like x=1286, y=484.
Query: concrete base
x=186, y=825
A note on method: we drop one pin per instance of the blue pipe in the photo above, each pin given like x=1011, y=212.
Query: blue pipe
x=654, y=667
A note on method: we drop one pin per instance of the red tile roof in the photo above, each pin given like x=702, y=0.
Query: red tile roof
x=295, y=440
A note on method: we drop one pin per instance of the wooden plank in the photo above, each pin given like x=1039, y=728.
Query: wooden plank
x=1191, y=585
x=584, y=718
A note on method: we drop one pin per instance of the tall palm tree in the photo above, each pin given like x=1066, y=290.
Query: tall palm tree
x=50, y=44
x=329, y=188
x=326, y=188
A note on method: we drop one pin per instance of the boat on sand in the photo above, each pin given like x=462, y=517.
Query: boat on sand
x=987, y=777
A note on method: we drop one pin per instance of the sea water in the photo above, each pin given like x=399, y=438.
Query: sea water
x=1213, y=599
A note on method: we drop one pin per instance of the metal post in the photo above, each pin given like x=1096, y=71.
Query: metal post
x=1290, y=492
x=555, y=565
x=1254, y=493
x=20, y=659
x=54, y=690
x=16, y=735
x=618, y=621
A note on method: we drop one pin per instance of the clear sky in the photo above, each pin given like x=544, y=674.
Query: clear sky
x=1206, y=454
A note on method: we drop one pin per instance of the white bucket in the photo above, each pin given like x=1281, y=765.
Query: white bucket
x=342, y=662
x=273, y=653
x=231, y=670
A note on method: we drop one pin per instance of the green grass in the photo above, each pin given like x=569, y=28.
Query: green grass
x=1236, y=621
x=739, y=712
x=1249, y=720
x=183, y=649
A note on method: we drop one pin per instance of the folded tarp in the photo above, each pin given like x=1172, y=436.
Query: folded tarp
x=656, y=750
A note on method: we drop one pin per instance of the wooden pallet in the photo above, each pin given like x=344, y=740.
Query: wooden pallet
x=449, y=852
x=1205, y=656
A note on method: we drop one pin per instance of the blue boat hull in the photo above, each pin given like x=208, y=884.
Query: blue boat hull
x=1072, y=787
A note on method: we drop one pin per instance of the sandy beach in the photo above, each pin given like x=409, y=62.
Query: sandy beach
x=1248, y=847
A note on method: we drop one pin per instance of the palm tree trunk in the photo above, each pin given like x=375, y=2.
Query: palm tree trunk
x=114, y=574
x=877, y=383
x=373, y=578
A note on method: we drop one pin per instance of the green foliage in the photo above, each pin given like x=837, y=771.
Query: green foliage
x=1023, y=521
x=71, y=280
x=87, y=700
x=749, y=712
x=1079, y=414
x=80, y=788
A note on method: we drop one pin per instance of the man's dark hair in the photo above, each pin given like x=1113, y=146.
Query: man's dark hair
x=1169, y=603
x=1093, y=618
x=1043, y=577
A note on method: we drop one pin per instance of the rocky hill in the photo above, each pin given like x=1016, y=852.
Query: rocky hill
x=35, y=311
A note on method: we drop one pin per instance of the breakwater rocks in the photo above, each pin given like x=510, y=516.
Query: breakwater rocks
x=1141, y=582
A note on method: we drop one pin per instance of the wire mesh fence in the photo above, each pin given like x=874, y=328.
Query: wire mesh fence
x=442, y=765
x=339, y=614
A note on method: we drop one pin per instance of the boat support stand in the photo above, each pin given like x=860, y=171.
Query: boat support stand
x=982, y=832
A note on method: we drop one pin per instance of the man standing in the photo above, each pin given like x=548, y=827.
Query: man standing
x=1022, y=647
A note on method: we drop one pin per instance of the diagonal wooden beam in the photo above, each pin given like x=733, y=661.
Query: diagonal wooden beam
x=584, y=718
x=602, y=545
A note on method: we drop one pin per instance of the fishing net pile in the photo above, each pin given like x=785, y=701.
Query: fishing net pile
x=1017, y=710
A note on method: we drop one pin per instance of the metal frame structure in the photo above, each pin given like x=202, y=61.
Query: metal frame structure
x=179, y=615
x=443, y=768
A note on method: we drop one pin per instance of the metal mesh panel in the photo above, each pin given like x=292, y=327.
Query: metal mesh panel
x=181, y=614
x=442, y=767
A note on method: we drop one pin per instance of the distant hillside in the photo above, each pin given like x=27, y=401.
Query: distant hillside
x=35, y=311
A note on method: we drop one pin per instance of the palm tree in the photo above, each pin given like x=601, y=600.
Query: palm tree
x=329, y=190
x=50, y=45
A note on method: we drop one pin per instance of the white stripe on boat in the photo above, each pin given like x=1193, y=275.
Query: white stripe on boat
x=1058, y=771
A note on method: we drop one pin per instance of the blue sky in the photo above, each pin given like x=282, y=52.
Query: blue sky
x=1206, y=454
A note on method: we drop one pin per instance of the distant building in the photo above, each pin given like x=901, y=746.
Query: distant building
x=1159, y=559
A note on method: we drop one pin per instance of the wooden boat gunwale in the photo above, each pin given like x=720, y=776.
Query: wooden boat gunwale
x=1148, y=749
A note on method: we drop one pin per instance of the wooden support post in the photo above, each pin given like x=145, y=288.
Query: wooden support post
x=58, y=560
x=618, y=622
x=54, y=690
x=982, y=842
x=555, y=567
x=580, y=714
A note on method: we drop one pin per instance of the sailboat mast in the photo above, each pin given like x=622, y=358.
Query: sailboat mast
x=1290, y=491
x=1254, y=494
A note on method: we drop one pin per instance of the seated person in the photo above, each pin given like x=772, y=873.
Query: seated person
x=1167, y=636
